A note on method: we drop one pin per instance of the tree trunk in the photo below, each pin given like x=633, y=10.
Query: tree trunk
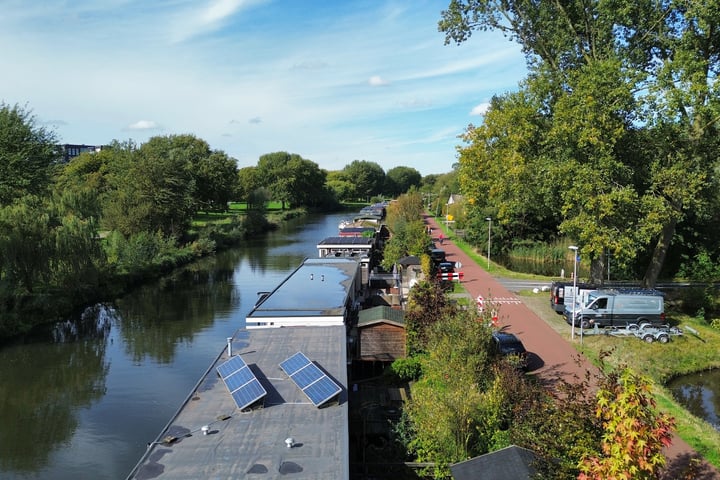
x=597, y=270
x=658, y=258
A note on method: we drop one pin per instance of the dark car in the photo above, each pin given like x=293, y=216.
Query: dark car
x=508, y=345
x=437, y=255
x=446, y=267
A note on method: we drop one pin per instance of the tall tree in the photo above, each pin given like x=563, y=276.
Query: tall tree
x=272, y=169
x=215, y=180
x=398, y=180
x=155, y=191
x=603, y=70
x=292, y=179
x=368, y=178
x=28, y=154
x=248, y=181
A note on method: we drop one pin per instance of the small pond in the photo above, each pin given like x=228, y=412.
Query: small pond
x=700, y=394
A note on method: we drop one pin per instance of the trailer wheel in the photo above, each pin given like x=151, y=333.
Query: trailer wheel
x=663, y=338
x=648, y=339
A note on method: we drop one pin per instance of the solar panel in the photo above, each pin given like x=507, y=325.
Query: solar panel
x=241, y=382
x=295, y=363
x=232, y=365
x=314, y=383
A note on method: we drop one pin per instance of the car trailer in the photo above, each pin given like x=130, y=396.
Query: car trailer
x=648, y=333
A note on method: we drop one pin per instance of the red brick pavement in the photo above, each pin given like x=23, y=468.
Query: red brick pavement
x=551, y=356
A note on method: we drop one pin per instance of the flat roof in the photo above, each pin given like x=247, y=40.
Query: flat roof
x=252, y=444
x=347, y=241
x=318, y=287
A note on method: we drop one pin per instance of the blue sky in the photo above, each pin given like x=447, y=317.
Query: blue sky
x=333, y=81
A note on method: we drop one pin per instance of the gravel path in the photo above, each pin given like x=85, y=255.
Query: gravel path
x=551, y=356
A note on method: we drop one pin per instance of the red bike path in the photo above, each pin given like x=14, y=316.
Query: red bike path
x=551, y=356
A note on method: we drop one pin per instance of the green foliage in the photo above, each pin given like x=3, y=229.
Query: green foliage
x=406, y=369
x=293, y=179
x=427, y=305
x=368, y=178
x=445, y=403
x=408, y=230
x=611, y=139
x=216, y=181
x=399, y=180
x=28, y=154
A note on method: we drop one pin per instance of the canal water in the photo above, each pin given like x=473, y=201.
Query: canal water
x=83, y=399
x=700, y=394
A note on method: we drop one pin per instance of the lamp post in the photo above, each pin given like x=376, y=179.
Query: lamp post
x=572, y=322
x=489, y=219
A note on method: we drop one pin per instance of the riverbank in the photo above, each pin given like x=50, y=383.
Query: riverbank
x=135, y=262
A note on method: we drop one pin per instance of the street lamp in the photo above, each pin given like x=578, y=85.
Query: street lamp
x=489, y=232
x=572, y=322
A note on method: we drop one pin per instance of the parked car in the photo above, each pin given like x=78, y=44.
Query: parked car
x=437, y=255
x=446, y=267
x=508, y=345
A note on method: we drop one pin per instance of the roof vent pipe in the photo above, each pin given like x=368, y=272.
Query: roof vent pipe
x=229, y=342
x=290, y=442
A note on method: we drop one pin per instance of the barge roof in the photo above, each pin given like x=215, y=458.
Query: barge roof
x=252, y=444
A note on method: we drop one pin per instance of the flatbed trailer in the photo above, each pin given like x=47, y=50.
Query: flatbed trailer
x=647, y=332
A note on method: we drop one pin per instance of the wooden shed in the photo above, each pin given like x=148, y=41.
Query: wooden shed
x=381, y=333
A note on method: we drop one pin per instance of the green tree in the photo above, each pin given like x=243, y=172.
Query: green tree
x=274, y=174
x=216, y=181
x=601, y=71
x=399, y=180
x=427, y=305
x=28, y=154
x=409, y=236
x=342, y=188
x=155, y=191
x=248, y=181
x=293, y=179
x=448, y=406
x=368, y=178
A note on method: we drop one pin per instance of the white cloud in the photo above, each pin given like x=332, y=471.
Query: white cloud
x=144, y=125
x=480, y=110
x=196, y=21
x=377, y=81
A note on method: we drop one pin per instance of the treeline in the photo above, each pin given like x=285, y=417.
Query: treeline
x=86, y=230
x=610, y=142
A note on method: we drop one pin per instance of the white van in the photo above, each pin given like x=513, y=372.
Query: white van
x=619, y=308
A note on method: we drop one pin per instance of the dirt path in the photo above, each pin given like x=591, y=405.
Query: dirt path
x=550, y=354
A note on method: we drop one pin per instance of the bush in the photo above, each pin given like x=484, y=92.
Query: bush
x=406, y=369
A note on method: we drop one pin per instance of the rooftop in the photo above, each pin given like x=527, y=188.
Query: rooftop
x=252, y=444
x=318, y=288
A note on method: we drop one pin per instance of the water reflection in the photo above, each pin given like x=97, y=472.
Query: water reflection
x=159, y=317
x=700, y=394
x=43, y=386
x=84, y=396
